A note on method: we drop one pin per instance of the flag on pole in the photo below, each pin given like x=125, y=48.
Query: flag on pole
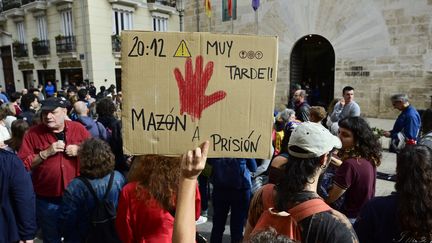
x=230, y=8
x=208, y=10
x=255, y=4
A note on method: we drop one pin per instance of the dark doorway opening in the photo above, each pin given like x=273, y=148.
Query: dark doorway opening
x=312, y=69
x=45, y=76
x=6, y=58
x=73, y=76
x=28, y=79
x=118, y=79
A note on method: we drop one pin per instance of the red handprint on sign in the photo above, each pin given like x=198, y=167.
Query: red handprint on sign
x=192, y=87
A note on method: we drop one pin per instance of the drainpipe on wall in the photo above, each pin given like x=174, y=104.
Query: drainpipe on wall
x=84, y=16
x=197, y=14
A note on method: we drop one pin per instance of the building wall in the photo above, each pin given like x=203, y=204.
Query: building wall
x=390, y=41
x=93, y=27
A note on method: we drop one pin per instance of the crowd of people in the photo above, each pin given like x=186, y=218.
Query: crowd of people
x=63, y=168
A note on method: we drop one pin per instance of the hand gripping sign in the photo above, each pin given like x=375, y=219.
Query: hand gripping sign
x=181, y=89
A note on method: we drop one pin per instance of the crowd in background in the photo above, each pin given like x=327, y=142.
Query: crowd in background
x=62, y=154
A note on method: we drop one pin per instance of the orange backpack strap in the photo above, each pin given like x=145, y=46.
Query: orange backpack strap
x=267, y=196
x=308, y=208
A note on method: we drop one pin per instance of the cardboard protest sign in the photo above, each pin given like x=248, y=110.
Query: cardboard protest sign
x=180, y=89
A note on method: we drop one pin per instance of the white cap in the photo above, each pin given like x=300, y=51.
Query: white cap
x=313, y=138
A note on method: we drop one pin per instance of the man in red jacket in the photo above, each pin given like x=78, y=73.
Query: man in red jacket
x=49, y=150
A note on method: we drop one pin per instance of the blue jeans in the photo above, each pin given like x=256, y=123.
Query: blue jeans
x=47, y=213
x=223, y=200
x=203, y=189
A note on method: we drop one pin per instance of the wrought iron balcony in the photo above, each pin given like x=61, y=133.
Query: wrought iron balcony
x=30, y=1
x=65, y=44
x=10, y=4
x=116, y=43
x=41, y=47
x=20, y=49
x=34, y=5
x=171, y=3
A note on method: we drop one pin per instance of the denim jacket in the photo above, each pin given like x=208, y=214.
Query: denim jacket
x=78, y=203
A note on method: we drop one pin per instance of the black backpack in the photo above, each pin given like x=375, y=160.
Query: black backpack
x=102, y=218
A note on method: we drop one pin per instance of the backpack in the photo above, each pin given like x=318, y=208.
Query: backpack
x=108, y=132
x=286, y=223
x=102, y=218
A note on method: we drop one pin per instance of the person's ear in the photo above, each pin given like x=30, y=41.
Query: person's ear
x=324, y=159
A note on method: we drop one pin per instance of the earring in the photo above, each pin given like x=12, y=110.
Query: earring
x=313, y=181
x=323, y=167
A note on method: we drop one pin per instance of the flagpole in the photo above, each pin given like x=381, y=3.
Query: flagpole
x=256, y=22
x=210, y=26
x=197, y=16
x=232, y=24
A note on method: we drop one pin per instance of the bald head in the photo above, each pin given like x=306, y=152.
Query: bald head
x=81, y=108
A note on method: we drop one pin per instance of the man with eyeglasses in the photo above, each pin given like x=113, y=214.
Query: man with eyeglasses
x=407, y=126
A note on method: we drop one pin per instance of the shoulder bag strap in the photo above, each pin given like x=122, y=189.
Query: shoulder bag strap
x=308, y=208
x=267, y=196
x=111, y=180
x=90, y=188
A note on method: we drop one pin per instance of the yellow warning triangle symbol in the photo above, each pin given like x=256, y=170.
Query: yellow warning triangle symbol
x=182, y=50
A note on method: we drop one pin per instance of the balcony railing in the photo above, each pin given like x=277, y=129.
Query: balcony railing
x=171, y=3
x=30, y=1
x=10, y=4
x=116, y=43
x=41, y=47
x=65, y=44
x=20, y=50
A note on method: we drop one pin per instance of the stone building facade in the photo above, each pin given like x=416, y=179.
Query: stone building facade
x=381, y=47
x=72, y=40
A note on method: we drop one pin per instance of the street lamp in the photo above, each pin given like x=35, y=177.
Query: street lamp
x=180, y=10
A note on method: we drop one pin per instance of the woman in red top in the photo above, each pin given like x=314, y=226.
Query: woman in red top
x=147, y=203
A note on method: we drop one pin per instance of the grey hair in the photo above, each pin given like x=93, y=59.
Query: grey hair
x=400, y=97
x=302, y=92
x=286, y=114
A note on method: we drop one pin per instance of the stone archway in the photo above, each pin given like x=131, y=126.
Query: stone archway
x=312, y=66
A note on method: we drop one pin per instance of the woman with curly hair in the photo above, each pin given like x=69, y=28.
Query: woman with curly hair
x=404, y=216
x=97, y=167
x=356, y=177
x=147, y=203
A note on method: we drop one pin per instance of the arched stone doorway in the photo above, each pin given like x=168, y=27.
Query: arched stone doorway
x=312, y=65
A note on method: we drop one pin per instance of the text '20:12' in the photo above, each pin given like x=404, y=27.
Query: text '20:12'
x=140, y=49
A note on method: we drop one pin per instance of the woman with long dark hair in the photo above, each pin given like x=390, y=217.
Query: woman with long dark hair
x=147, y=203
x=356, y=177
x=404, y=216
x=309, y=149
